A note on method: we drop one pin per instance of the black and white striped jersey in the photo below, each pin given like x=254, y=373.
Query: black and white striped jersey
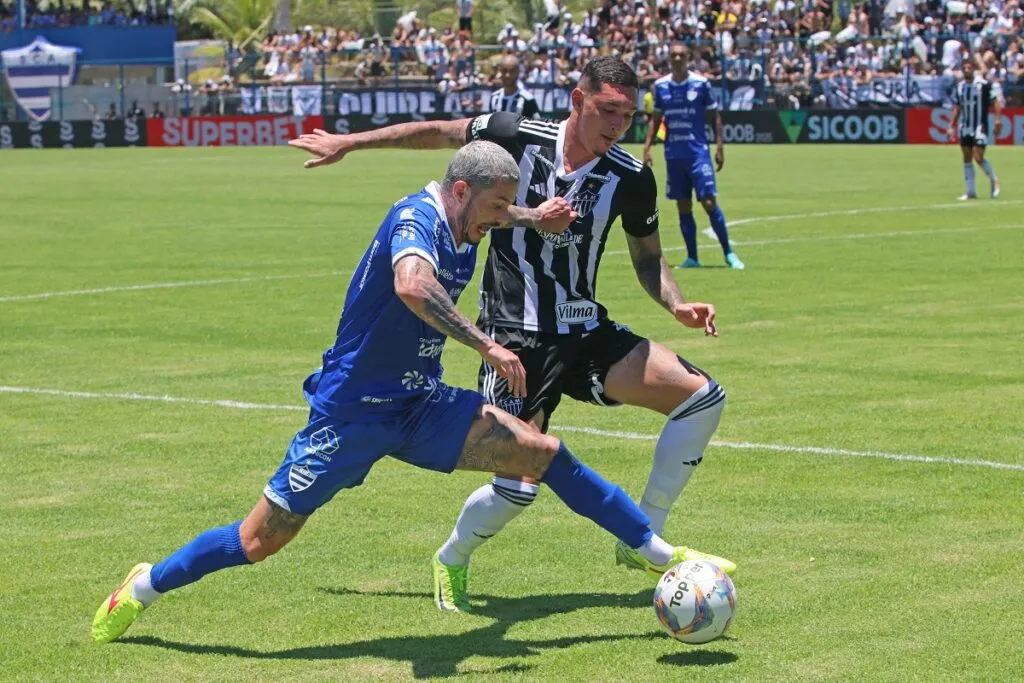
x=974, y=99
x=547, y=283
x=520, y=102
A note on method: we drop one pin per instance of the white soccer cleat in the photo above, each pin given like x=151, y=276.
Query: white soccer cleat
x=965, y=197
x=996, y=188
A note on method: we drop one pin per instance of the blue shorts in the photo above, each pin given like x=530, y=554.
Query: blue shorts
x=691, y=175
x=331, y=454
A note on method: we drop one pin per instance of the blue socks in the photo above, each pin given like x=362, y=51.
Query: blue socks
x=208, y=552
x=688, y=227
x=586, y=493
x=718, y=225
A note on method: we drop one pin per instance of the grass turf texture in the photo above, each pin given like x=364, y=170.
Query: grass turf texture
x=893, y=330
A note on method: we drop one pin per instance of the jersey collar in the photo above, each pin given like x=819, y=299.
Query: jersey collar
x=434, y=192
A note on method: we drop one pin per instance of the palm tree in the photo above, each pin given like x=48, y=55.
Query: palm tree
x=243, y=22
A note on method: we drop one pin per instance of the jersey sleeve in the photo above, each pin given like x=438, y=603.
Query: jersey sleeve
x=412, y=233
x=501, y=127
x=640, y=204
x=709, y=98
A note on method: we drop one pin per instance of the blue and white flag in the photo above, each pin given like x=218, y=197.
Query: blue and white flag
x=33, y=70
x=307, y=100
x=277, y=100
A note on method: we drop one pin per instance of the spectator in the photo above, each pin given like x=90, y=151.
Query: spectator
x=111, y=114
x=465, y=9
x=136, y=112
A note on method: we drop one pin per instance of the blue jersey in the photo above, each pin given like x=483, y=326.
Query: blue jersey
x=684, y=106
x=386, y=359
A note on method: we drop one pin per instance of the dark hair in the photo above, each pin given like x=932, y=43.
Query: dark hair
x=610, y=70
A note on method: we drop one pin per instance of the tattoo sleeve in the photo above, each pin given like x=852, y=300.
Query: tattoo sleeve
x=652, y=270
x=522, y=217
x=417, y=285
x=416, y=135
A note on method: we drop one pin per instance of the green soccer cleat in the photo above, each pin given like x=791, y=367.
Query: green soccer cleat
x=120, y=610
x=734, y=261
x=632, y=559
x=690, y=263
x=451, y=584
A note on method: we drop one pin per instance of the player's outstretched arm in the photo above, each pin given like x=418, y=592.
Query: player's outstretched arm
x=656, y=278
x=328, y=149
x=417, y=286
x=554, y=215
x=951, y=132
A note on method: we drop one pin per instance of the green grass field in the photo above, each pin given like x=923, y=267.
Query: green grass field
x=878, y=319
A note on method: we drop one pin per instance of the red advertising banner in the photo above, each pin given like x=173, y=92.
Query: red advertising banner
x=926, y=126
x=228, y=131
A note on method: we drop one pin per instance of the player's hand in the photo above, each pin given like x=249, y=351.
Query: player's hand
x=719, y=159
x=997, y=130
x=554, y=215
x=697, y=316
x=327, y=148
x=508, y=366
x=950, y=133
x=648, y=159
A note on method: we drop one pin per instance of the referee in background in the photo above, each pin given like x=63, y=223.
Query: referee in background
x=512, y=96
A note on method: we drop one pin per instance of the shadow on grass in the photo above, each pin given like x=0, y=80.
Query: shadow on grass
x=698, y=658
x=440, y=655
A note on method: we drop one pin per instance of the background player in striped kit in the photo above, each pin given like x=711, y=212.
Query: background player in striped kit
x=538, y=294
x=512, y=96
x=972, y=99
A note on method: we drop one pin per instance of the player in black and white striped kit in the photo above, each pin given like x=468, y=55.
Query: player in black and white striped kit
x=538, y=296
x=511, y=96
x=972, y=99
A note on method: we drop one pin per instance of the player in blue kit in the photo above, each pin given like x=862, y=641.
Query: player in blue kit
x=379, y=393
x=682, y=100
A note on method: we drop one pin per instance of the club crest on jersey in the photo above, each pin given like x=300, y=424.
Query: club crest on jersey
x=585, y=200
x=691, y=95
x=513, y=405
x=300, y=477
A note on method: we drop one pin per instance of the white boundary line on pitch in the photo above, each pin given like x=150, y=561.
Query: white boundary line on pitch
x=164, y=285
x=633, y=436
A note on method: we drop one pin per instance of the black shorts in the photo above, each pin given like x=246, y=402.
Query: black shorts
x=556, y=364
x=376, y=69
x=978, y=139
x=466, y=24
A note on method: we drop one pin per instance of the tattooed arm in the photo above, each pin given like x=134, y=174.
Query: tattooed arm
x=554, y=216
x=417, y=286
x=329, y=149
x=655, y=277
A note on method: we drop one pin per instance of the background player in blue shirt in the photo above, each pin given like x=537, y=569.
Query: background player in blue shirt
x=380, y=393
x=682, y=100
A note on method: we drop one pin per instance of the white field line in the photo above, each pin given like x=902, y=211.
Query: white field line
x=634, y=436
x=829, y=238
x=164, y=285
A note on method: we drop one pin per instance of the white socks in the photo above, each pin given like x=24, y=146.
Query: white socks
x=969, y=178
x=657, y=550
x=680, y=448
x=486, y=512
x=989, y=171
x=143, y=591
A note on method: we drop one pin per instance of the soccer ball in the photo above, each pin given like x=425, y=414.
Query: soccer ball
x=695, y=601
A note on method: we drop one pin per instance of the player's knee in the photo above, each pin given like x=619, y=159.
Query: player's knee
x=536, y=452
x=709, y=204
x=684, y=205
x=259, y=547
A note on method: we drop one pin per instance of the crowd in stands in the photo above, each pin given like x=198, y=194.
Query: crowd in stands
x=791, y=46
x=54, y=13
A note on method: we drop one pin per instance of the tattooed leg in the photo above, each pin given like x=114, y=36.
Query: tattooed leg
x=267, y=529
x=499, y=442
